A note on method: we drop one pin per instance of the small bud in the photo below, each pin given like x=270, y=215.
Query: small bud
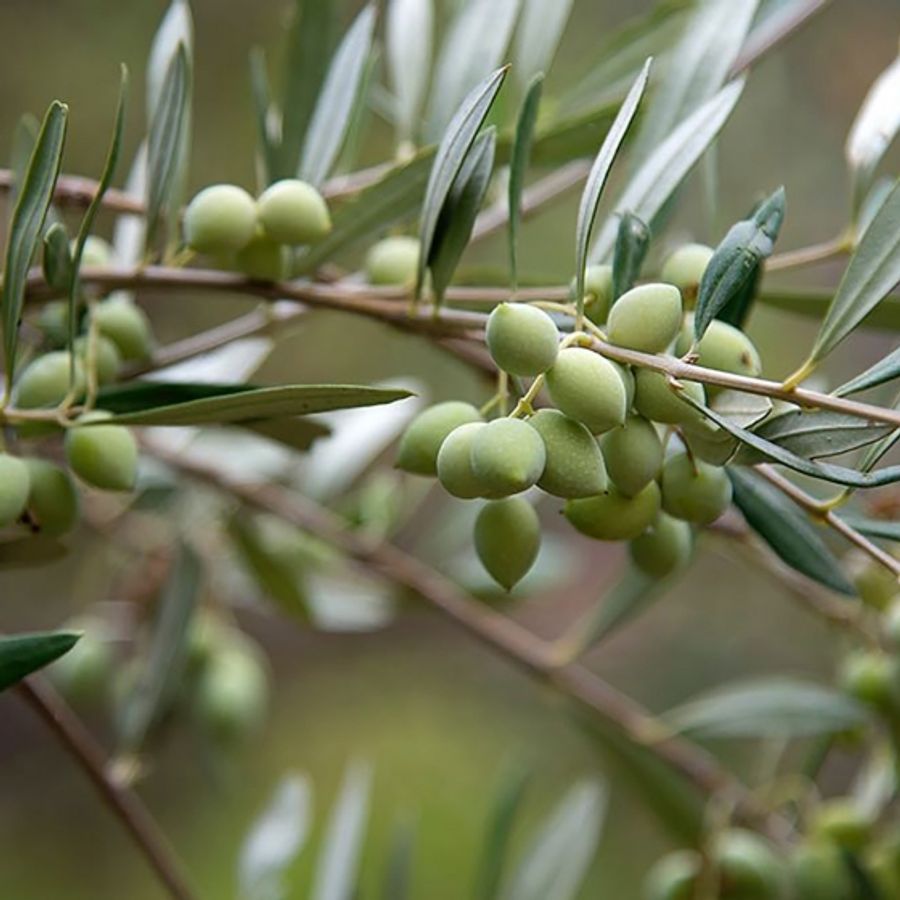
x=293, y=212
x=104, y=456
x=613, y=516
x=684, y=268
x=393, y=261
x=574, y=465
x=633, y=453
x=423, y=437
x=588, y=388
x=507, y=539
x=52, y=498
x=220, y=219
x=693, y=490
x=14, y=484
x=54, y=322
x=646, y=318
x=523, y=340
x=508, y=456
x=818, y=871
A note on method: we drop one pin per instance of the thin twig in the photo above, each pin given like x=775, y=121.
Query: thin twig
x=808, y=256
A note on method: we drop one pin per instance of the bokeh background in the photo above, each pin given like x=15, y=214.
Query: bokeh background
x=439, y=717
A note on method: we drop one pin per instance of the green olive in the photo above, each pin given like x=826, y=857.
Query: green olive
x=818, y=872
x=722, y=347
x=574, y=465
x=263, y=259
x=664, y=548
x=674, y=877
x=613, y=516
x=45, y=380
x=877, y=586
x=127, y=326
x=454, y=463
x=105, y=456
x=523, y=340
x=633, y=453
x=84, y=674
x=220, y=219
x=97, y=252
x=507, y=539
x=749, y=869
x=14, y=483
x=293, y=212
x=423, y=437
x=108, y=360
x=54, y=322
x=393, y=261
x=654, y=399
x=872, y=678
x=508, y=456
x=52, y=498
x=684, y=268
x=598, y=292
x=693, y=490
x=588, y=388
x=842, y=822
x=646, y=318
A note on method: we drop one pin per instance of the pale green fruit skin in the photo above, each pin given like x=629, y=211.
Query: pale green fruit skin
x=818, y=872
x=655, y=400
x=722, y=347
x=842, y=823
x=232, y=695
x=646, y=318
x=627, y=376
x=263, y=259
x=575, y=466
x=674, y=876
x=220, y=219
x=293, y=212
x=588, y=388
x=685, y=267
x=508, y=456
x=54, y=322
x=52, y=498
x=108, y=358
x=872, y=678
x=523, y=340
x=14, y=482
x=694, y=491
x=748, y=867
x=664, y=548
x=127, y=326
x=598, y=292
x=633, y=453
x=97, y=252
x=45, y=380
x=393, y=261
x=454, y=463
x=104, y=456
x=507, y=539
x=84, y=674
x=423, y=437
x=613, y=516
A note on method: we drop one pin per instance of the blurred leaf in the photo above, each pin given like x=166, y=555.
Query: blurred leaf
x=261, y=95
x=886, y=529
x=875, y=783
x=334, y=107
x=57, y=261
x=24, y=137
x=275, y=840
x=27, y=223
x=541, y=27
x=557, y=860
x=398, y=876
x=30, y=552
x=590, y=198
x=451, y=154
x=873, y=272
x=874, y=453
x=409, y=31
x=176, y=28
x=663, y=171
x=787, y=530
x=884, y=370
x=886, y=314
x=632, y=243
x=767, y=706
x=736, y=262
x=22, y=654
x=338, y=863
x=296, y=433
x=518, y=167
x=461, y=208
x=563, y=139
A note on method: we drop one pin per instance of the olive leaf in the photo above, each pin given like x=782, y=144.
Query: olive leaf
x=25, y=135
x=409, y=30
x=541, y=26
x=27, y=222
x=261, y=95
x=57, y=259
x=632, y=244
x=22, y=654
x=398, y=875
x=885, y=370
x=787, y=530
x=176, y=29
x=885, y=315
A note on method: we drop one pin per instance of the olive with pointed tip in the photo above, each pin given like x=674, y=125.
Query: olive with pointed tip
x=574, y=465
x=507, y=539
x=127, y=326
x=262, y=259
x=722, y=347
x=646, y=318
x=684, y=268
x=663, y=548
x=45, y=380
x=693, y=490
x=423, y=437
x=105, y=456
x=508, y=456
x=588, y=388
x=598, y=292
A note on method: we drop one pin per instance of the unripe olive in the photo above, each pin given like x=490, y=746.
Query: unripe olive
x=507, y=539
x=423, y=437
x=104, y=456
x=454, y=463
x=722, y=347
x=523, y=339
x=674, y=876
x=818, y=872
x=613, y=516
x=126, y=325
x=684, y=268
x=877, y=586
x=293, y=212
x=393, y=261
x=598, y=292
x=633, y=453
x=842, y=822
x=872, y=678
x=655, y=400
x=588, y=388
x=693, y=490
x=54, y=322
x=96, y=252
x=13, y=488
x=232, y=694
x=52, y=498
x=84, y=674
x=646, y=318
x=45, y=380
x=508, y=456
x=207, y=634
x=220, y=219
x=664, y=548
x=263, y=259
x=574, y=465
x=106, y=357
x=748, y=867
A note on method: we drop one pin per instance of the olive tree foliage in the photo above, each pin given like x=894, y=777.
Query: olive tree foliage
x=631, y=399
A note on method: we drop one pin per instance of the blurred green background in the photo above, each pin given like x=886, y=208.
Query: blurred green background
x=439, y=717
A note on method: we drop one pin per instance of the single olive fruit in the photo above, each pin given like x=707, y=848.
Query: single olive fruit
x=684, y=268
x=817, y=871
x=654, y=399
x=722, y=347
x=220, y=219
x=647, y=318
x=52, y=498
x=126, y=325
x=574, y=465
x=694, y=490
x=749, y=869
x=54, y=322
x=674, y=876
x=105, y=456
x=45, y=380
x=633, y=453
x=107, y=358
x=14, y=484
x=507, y=539
x=393, y=261
x=423, y=437
x=231, y=694
x=84, y=674
x=613, y=516
x=207, y=635
x=877, y=586
x=872, y=678
x=508, y=456
x=588, y=388
x=293, y=212
x=97, y=252
x=664, y=548
x=598, y=292
x=522, y=339
x=263, y=259
x=842, y=822
x=454, y=463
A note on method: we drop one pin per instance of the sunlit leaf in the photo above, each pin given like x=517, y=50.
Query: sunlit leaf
x=410, y=24
x=885, y=370
x=541, y=26
x=632, y=244
x=22, y=654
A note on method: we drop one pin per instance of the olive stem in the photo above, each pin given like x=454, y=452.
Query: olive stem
x=808, y=256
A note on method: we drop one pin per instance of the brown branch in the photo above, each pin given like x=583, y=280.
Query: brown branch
x=808, y=256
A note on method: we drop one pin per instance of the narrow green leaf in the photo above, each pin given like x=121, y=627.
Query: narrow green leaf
x=24, y=137
x=632, y=244
x=22, y=654
x=334, y=107
x=787, y=530
x=885, y=315
x=268, y=147
x=883, y=371
x=176, y=28
x=593, y=189
x=768, y=706
x=451, y=153
x=562, y=139
x=409, y=31
x=518, y=167
x=57, y=260
x=873, y=272
x=874, y=453
x=541, y=27
x=27, y=223
x=398, y=875
x=887, y=529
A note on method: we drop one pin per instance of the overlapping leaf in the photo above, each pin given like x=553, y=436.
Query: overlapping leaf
x=632, y=244
x=410, y=24
x=883, y=371
x=541, y=26
x=22, y=654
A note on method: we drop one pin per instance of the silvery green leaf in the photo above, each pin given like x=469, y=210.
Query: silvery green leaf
x=632, y=244
x=129, y=231
x=541, y=27
x=741, y=408
x=668, y=165
x=871, y=203
x=22, y=654
x=268, y=138
x=176, y=28
x=410, y=27
x=336, y=102
x=397, y=883
x=24, y=138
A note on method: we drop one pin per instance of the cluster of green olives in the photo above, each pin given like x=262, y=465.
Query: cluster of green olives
x=602, y=447
x=254, y=236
